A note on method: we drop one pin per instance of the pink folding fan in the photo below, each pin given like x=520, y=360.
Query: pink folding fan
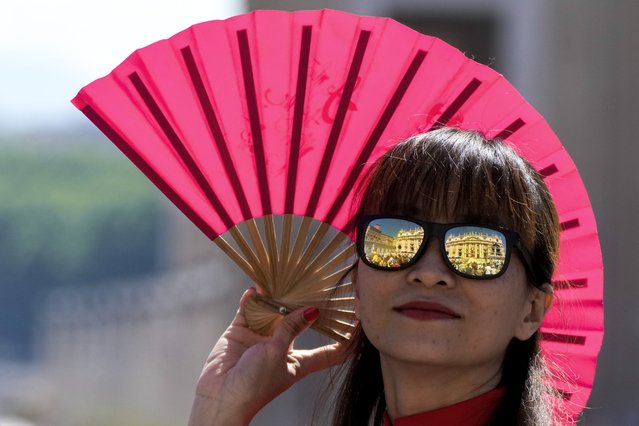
x=259, y=127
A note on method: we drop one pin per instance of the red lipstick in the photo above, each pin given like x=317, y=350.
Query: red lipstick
x=423, y=310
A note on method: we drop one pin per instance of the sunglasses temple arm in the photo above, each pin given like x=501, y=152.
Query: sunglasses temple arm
x=529, y=265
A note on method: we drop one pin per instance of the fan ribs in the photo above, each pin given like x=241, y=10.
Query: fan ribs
x=340, y=116
x=459, y=101
x=512, y=128
x=564, y=338
x=298, y=116
x=254, y=119
x=376, y=134
x=148, y=171
x=179, y=147
x=216, y=131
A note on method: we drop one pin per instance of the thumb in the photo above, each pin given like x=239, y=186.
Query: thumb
x=293, y=325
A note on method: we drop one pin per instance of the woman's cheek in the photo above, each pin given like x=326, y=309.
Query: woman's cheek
x=370, y=325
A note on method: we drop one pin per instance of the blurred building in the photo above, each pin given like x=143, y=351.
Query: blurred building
x=136, y=350
x=130, y=352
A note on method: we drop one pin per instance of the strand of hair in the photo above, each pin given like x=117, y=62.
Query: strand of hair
x=564, y=338
x=456, y=105
x=574, y=283
x=511, y=129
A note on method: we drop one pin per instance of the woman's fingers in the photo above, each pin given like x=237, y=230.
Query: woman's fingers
x=246, y=370
x=310, y=360
x=240, y=318
x=292, y=325
x=313, y=360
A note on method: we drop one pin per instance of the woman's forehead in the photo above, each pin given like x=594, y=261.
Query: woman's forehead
x=449, y=218
x=439, y=212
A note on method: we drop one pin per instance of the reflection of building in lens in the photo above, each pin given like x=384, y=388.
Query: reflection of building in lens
x=388, y=251
x=408, y=241
x=378, y=242
x=405, y=242
x=476, y=253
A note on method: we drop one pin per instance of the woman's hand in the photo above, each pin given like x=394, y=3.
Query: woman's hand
x=245, y=371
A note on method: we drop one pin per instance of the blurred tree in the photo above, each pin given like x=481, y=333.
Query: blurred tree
x=67, y=217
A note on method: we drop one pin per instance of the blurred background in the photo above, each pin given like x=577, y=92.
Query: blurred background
x=110, y=300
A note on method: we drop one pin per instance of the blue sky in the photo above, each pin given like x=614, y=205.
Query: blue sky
x=50, y=49
x=392, y=227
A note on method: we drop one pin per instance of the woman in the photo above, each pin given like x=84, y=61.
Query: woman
x=436, y=343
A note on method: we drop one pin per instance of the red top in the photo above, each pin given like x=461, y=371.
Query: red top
x=472, y=412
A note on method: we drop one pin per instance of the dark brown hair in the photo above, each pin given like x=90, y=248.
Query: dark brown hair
x=463, y=177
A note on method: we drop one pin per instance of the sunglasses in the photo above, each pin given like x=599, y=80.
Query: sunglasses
x=478, y=252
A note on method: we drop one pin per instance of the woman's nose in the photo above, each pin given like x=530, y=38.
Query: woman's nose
x=431, y=268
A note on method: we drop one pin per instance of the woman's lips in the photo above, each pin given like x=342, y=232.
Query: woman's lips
x=426, y=311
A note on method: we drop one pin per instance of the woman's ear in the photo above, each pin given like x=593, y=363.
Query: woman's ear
x=537, y=304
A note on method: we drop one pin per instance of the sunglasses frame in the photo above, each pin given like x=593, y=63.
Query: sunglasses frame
x=439, y=230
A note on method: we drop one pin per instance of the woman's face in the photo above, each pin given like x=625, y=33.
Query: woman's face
x=426, y=314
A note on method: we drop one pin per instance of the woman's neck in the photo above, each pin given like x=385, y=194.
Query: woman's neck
x=411, y=389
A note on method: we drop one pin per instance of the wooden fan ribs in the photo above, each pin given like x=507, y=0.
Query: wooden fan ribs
x=308, y=254
x=296, y=253
x=271, y=243
x=314, y=273
x=251, y=257
x=237, y=258
x=319, y=262
x=319, y=281
x=284, y=255
x=262, y=257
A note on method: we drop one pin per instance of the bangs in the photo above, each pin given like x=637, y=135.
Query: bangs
x=456, y=176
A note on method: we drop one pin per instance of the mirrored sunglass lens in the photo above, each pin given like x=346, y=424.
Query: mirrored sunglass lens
x=391, y=243
x=475, y=250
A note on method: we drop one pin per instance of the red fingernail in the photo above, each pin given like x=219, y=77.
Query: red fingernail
x=311, y=314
